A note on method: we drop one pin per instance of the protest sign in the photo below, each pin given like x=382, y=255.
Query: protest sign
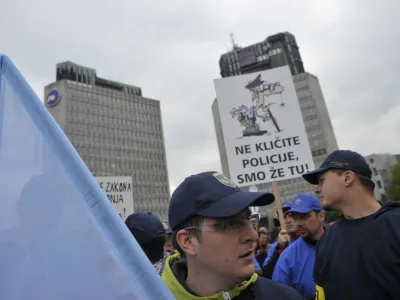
x=119, y=192
x=263, y=127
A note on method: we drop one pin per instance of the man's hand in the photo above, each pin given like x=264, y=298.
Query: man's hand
x=283, y=237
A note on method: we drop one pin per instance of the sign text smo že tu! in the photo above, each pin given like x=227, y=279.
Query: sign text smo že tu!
x=262, y=158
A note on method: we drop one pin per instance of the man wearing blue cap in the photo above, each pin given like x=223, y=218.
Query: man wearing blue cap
x=213, y=231
x=295, y=265
x=150, y=234
x=358, y=257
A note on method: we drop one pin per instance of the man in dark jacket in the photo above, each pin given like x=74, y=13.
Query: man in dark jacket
x=285, y=238
x=358, y=257
x=214, y=235
x=150, y=234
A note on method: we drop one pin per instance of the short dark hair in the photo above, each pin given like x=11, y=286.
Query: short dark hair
x=296, y=214
x=262, y=233
x=155, y=248
x=195, y=221
x=366, y=182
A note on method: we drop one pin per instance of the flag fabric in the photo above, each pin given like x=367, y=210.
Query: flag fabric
x=60, y=237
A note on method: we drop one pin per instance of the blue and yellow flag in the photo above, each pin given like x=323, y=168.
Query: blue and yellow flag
x=60, y=238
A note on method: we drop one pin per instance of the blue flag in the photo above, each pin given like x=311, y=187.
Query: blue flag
x=60, y=238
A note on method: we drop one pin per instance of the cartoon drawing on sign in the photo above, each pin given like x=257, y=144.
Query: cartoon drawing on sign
x=247, y=117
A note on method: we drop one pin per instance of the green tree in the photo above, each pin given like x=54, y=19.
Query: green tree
x=394, y=190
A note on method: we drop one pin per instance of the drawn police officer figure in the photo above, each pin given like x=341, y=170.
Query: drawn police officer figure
x=248, y=116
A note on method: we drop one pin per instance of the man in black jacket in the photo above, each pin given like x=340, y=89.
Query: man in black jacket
x=358, y=257
x=150, y=234
x=213, y=232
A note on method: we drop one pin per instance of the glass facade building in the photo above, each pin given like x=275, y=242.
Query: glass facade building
x=116, y=131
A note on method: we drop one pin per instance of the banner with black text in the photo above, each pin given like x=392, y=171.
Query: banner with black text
x=263, y=127
x=119, y=191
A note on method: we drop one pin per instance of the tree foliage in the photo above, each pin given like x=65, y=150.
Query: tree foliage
x=394, y=190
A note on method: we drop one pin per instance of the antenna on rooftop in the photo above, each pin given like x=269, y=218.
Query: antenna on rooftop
x=234, y=45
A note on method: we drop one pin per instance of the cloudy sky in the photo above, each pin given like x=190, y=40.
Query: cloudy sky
x=171, y=49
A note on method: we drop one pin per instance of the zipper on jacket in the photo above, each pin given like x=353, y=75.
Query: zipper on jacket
x=226, y=295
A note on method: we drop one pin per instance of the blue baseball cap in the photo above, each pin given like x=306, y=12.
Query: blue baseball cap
x=304, y=203
x=211, y=194
x=341, y=159
x=144, y=226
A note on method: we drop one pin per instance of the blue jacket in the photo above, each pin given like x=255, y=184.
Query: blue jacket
x=256, y=264
x=295, y=267
x=270, y=252
x=269, y=255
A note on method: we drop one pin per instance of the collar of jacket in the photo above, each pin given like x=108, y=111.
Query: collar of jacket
x=181, y=293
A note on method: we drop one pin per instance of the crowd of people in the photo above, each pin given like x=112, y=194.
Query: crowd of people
x=215, y=249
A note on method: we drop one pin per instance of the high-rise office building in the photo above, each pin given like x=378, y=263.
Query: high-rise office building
x=116, y=131
x=275, y=51
x=316, y=118
x=381, y=166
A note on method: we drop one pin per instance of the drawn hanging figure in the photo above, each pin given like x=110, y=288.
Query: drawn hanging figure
x=248, y=116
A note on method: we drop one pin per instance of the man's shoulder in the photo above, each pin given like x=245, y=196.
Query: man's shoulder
x=270, y=289
x=274, y=244
x=390, y=210
x=290, y=249
x=332, y=231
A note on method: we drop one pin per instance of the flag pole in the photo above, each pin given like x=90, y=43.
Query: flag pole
x=278, y=204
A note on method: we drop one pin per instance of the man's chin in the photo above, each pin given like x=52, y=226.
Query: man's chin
x=303, y=234
x=246, y=272
x=326, y=205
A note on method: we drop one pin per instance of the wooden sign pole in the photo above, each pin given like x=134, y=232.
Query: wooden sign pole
x=278, y=205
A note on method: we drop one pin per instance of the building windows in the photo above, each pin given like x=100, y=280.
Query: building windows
x=122, y=130
x=275, y=51
x=318, y=152
x=302, y=88
x=379, y=184
x=310, y=117
x=375, y=171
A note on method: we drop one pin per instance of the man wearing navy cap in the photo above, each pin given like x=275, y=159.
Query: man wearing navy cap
x=150, y=234
x=358, y=256
x=213, y=232
x=295, y=265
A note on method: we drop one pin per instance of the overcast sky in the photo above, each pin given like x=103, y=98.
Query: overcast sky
x=171, y=49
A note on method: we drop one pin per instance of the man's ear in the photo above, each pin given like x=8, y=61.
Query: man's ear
x=187, y=242
x=349, y=178
x=321, y=216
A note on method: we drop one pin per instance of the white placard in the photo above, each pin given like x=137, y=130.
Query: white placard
x=263, y=127
x=119, y=191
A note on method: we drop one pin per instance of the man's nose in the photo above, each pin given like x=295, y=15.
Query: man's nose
x=317, y=189
x=297, y=222
x=249, y=234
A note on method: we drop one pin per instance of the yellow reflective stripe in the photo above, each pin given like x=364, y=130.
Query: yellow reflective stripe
x=320, y=293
